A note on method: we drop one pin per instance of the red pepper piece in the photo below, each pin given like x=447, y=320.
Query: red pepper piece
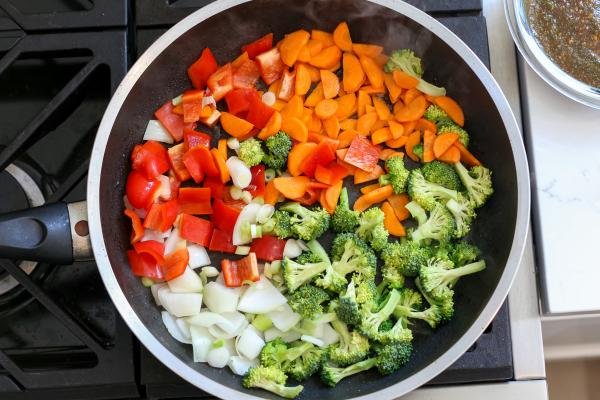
x=176, y=154
x=192, y=105
x=140, y=190
x=175, y=263
x=236, y=272
x=257, y=184
x=162, y=216
x=258, y=46
x=238, y=100
x=259, y=113
x=194, y=229
x=221, y=82
x=193, y=138
x=362, y=154
x=172, y=122
x=151, y=247
x=144, y=265
x=310, y=197
x=287, y=89
x=217, y=188
x=194, y=200
x=224, y=216
x=137, y=231
x=199, y=162
x=221, y=241
x=202, y=69
x=151, y=158
x=268, y=248
x=246, y=75
x=270, y=65
x=323, y=154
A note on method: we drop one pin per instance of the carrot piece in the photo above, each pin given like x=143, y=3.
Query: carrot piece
x=314, y=47
x=404, y=80
x=292, y=187
x=346, y=137
x=373, y=71
x=295, y=128
x=451, y=108
x=466, y=156
x=428, y=139
x=291, y=45
x=220, y=162
x=369, y=188
x=331, y=84
x=376, y=196
x=315, y=124
x=369, y=109
x=394, y=90
x=293, y=108
x=398, y=105
x=443, y=142
x=273, y=126
x=306, y=116
x=315, y=137
x=323, y=201
x=409, y=127
x=304, y=54
x=389, y=153
x=363, y=101
x=315, y=96
x=382, y=110
x=347, y=124
x=235, y=126
x=297, y=156
x=410, y=95
x=390, y=221
x=381, y=135
x=341, y=37
x=367, y=50
x=346, y=106
x=353, y=74
x=279, y=105
x=366, y=122
x=314, y=73
x=398, y=203
x=332, y=127
x=303, y=81
x=242, y=58
x=323, y=174
x=325, y=38
x=426, y=125
x=326, y=108
x=275, y=86
x=332, y=194
x=361, y=176
x=451, y=156
x=381, y=59
x=327, y=58
x=397, y=143
x=396, y=129
x=413, y=110
x=222, y=147
x=412, y=140
x=271, y=194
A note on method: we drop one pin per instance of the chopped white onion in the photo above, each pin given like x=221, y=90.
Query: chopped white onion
x=208, y=100
x=241, y=365
x=212, y=119
x=154, y=289
x=177, y=100
x=269, y=98
x=261, y=297
x=187, y=282
x=202, y=342
x=329, y=335
x=242, y=250
x=258, y=200
x=210, y=272
x=233, y=143
x=184, y=328
x=219, y=298
x=246, y=197
x=218, y=357
x=174, y=242
x=302, y=245
x=237, y=322
x=288, y=337
x=249, y=343
x=235, y=193
x=164, y=193
x=151, y=234
x=198, y=256
x=284, y=318
x=156, y=131
x=207, y=318
x=291, y=249
x=140, y=212
x=171, y=325
x=264, y=213
x=313, y=340
x=255, y=231
x=247, y=216
x=240, y=173
x=180, y=304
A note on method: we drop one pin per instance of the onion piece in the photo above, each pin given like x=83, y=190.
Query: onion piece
x=264, y=213
x=261, y=297
x=240, y=173
x=269, y=98
x=174, y=242
x=219, y=298
x=154, y=289
x=201, y=342
x=218, y=357
x=236, y=322
x=284, y=318
x=156, y=131
x=288, y=337
x=233, y=143
x=187, y=282
x=164, y=193
x=302, y=245
x=246, y=197
x=177, y=100
x=313, y=340
x=207, y=318
x=242, y=250
x=171, y=325
x=180, y=304
x=198, y=256
x=241, y=365
x=329, y=335
x=247, y=216
x=210, y=272
x=208, y=101
x=249, y=343
x=140, y=212
x=151, y=234
x=184, y=328
x=291, y=249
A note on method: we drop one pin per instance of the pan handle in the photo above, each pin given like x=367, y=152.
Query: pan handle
x=55, y=233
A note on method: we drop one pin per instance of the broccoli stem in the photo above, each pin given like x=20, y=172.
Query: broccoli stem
x=417, y=212
x=288, y=392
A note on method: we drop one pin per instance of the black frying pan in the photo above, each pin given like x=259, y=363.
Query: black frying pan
x=53, y=232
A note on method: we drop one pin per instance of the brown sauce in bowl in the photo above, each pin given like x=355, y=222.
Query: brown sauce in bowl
x=569, y=33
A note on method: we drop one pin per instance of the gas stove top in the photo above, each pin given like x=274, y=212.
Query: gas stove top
x=60, y=61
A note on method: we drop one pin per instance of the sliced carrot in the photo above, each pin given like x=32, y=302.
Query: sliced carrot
x=327, y=58
x=367, y=50
x=389, y=153
x=332, y=127
x=307, y=114
x=346, y=137
x=466, y=156
x=409, y=127
x=222, y=147
x=430, y=98
x=397, y=143
x=451, y=108
x=396, y=129
x=326, y=108
x=331, y=84
x=361, y=176
x=413, y=110
x=325, y=38
x=337, y=66
x=279, y=105
x=390, y=221
x=428, y=139
x=315, y=75
x=315, y=96
x=293, y=108
x=315, y=137
x=332, y=194
x=412, y=140
x=369, y=188
x=275, y=86
x=242, y=58
x=314, y=47
x=220, y=162
x=443, y=142
x=410, y=95
x=363, y=101
x=324, y=203
x=271, y=194
x=426, y=125
x=398, y=202
x=397, y=107
x=273, y=126
x=315, y=124
x=295, y=128
x=370, y=89
x=291, y=45
x=381, y=59
x=381, y=135
x=382, y=110
x=451, y=156
x=323, y=174
x=235, y=126
x=341, y=37
x=348, y=123
x=353, y=74
x=373, y=71
x=292, y=187
x=304, y=55
x=376, y=196
x=394, y=90
x=346, y=106
x=366, y=122
x=297, y=156
x=404, y=80
x=303, y=81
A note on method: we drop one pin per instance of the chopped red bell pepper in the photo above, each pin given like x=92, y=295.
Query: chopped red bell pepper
x=140, y=190
x=191, y=100
x=172, y=122
x=362, y=154
x=176, y=154
x=194, y=229
x=194, y=200
x=153, y=248
x=199, y=162
x=257, y=184
x=246, y=75
x=268, y=248
x=202, y=69
x=151, y=158
x=193, y=138
x=287, y=88
x=270, y=64
x=330, y=174
x=224, y=216
x=162, y=215
x=217, y=188
x=309, y=197
x=235, y=273
x=175, y=263
x=221, y=82
x=258, y=46
x=259, y=113
x=144, y=265
x=323, y=154
x=137, y=231
x=238, y=100
x=221, y=241
x=192, y=164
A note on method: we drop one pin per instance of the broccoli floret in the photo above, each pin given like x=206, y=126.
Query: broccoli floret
x=366, y=290
x=347, y=310
x=372, y=320
x=386, y=325
x=418, y=150
x=410, y=307
x=308, y=257
x=278, y=147
x=417, y=212
x=409, y=63
x=442, y=174
x=371, y=228
x=307, y=300
x=397, y=175
x=392, y=276
x=406, y=257
x=463, y=213
x=399, y=333
x=296, y=274
x=439, y=226
x=438, y=274
x=436, y=115
x=350, y=254
x=273, y=353
x=351, y=348
x=272, y=380
x=463, y=253
x=444, y=305
x=332, y=280
x=280, y=225
x=477, y=181
x=388, y=359
x=251, y=152
x=344, y=219
x=307, y=363
x=307, y=224
x=449, y=126
x=428, y=194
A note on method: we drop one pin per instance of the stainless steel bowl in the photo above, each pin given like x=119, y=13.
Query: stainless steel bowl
x=516, y=15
